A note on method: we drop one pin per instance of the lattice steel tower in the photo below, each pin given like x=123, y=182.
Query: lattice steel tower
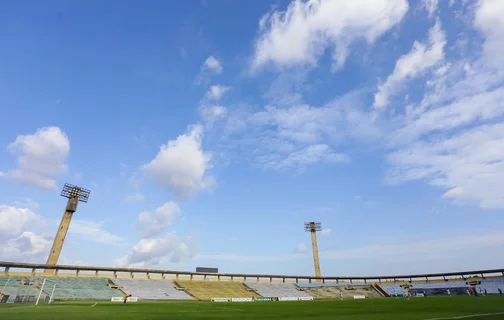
x=313, y=227
x=74, y=195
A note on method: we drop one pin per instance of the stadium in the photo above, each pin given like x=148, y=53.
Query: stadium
x=207, y=293
x=252, y=159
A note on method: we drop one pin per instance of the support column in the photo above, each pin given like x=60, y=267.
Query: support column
x=316, y=261
x=62, y=232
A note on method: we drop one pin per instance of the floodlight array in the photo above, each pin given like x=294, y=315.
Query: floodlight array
x=313, y=226
x=70, y=191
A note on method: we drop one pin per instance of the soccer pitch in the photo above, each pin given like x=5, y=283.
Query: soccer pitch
x=485, y=308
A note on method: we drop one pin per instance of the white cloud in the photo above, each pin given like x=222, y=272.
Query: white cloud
x=181, y=164
x=301, y=135
x=301, y=248
x=453, y=193
x=430, y=6
x=149, y=226
x=153, y=251
x=420, y=58
x=490, y=21
x=14, y=221
x=209, y=114
x=26, y=203
x=306, y=29
x=326, y=232
x=40, y=157
x=134, y=198
x=212, y=64
x=28, y=247
x=92, y=231
x=216, y=92
x=19, y=244
x=299, y=159
x=472, y=162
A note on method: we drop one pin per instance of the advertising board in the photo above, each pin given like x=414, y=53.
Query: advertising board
x=241, y=300
x=288, y=299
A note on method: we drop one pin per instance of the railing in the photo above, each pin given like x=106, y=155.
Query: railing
x=244, y=277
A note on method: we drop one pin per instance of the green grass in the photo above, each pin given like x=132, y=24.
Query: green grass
x=386, y=309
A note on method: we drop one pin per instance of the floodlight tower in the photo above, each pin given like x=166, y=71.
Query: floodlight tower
x=313, y=227
x=74, y=195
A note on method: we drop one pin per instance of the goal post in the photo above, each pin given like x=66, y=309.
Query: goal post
x=47, y=292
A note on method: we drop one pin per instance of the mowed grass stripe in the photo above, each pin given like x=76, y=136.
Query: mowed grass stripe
x=378, y=309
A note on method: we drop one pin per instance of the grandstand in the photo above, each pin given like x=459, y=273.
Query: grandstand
x=277, y=289
x=152, y=289
x=492, y=286
x=19, y=287
x=332, y=291
x=206, y=290
x=76, y=283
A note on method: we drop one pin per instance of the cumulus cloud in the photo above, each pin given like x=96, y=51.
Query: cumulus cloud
x=216, y=92
x=149, y=226
x=19, y=244
x=40, y=157
x=28, y=247
x=151, y=252
x=420, y=58
x=181, y=165
x=306, y=29
x=301, y=248
x=14, y=221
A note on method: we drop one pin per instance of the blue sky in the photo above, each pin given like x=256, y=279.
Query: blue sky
x=210, y=131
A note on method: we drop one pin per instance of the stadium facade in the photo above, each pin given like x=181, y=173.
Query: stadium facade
x=25, y=282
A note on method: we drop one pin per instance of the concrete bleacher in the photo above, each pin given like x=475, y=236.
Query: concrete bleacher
x=491, y=286
x=73, y=288
x=16, y=286
x=206, y=290
x=332, y=291
x=277, y=289
x=394, y=289
x=150, y=289
x=440, y=285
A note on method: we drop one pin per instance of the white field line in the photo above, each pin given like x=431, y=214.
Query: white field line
x=469, y=316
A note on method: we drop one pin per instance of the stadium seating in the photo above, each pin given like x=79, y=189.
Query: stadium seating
x=491, y=286
x=440, y=285
x=393, y=289
x=73, y=288
x=152, y=289
x=276, y=289
x=205, y=290
x=16, y=287
x=332, y=291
